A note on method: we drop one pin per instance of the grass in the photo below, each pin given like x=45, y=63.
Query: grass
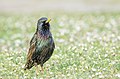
x=87, y=46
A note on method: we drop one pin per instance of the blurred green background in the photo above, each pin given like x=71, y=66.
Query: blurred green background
x=86, y=34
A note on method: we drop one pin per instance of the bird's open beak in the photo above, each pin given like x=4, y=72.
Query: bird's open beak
x=48, y=20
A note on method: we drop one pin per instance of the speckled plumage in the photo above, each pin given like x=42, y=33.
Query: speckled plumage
x=41, y=45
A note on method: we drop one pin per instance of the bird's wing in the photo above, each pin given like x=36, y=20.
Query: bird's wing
x=29, y=63
x=33, y=39
x=32, y=47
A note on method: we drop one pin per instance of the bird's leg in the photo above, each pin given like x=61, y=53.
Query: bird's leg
x=36, y=68
x=47, y=68
x=42, y=69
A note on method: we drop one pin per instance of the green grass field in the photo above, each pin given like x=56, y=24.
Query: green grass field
x=87, y=46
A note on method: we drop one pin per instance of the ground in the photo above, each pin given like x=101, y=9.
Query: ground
x=87, y=46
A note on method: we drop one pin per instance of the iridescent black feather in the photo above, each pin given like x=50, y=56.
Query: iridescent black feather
x=41, y=45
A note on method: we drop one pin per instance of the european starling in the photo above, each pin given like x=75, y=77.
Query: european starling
x=41, y=45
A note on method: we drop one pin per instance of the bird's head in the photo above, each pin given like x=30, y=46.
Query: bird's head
x=43, y=23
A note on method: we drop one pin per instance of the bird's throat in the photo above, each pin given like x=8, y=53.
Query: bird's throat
x=44, y=34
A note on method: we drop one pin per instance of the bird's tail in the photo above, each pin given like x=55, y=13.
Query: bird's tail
x=29, y=64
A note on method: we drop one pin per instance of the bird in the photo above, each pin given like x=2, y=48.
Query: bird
x=41, y=45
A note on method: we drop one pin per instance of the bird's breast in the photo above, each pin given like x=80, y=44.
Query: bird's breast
x=43, y=42
x=43, y=35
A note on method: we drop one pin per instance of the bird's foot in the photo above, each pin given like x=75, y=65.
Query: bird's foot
x=37, y=72
x=42, y=70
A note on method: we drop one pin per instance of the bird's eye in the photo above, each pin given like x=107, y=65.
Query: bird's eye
x=44, y=22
